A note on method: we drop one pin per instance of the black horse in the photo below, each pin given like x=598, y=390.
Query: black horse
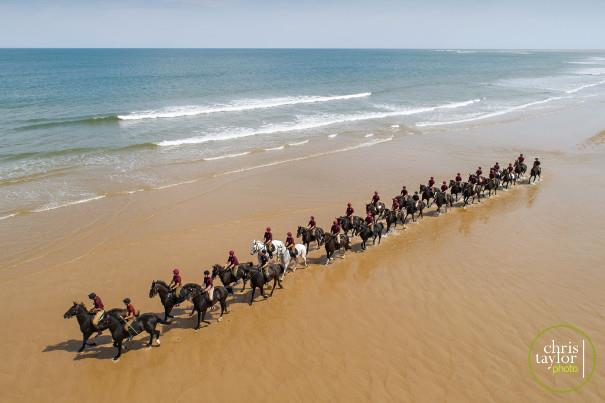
x=507, y=178
x=427, y=194
x=411, y=208
x=365, y=232
x=201, y=302
x=119, y=331
x=491, y=185
x=258, y=280
x=469, y=191
x=391, y=218
x=443, y=199
x=168, y=297
x=85, y=321
x=309, y=236
x=535, y=173
x=520, y=169
x=332, y=245
x=227, y=277
x=455, y=188
x=376, y=210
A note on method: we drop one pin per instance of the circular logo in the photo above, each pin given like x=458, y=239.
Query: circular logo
x=562, y=358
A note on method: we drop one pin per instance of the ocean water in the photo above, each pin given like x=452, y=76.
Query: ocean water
x=80, y=125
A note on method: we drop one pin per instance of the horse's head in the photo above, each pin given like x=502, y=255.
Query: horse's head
x=299, y=231
x=254, y=247
x=216, y=270
x=73, y=310
x=153, y=290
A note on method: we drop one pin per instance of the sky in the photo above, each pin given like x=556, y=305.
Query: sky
x=509, y=24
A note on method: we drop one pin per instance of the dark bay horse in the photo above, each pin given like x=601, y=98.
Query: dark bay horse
x=85, y=321
x=455, y=188
x=258, y=279
x=427, y=194
x=201, y=302
x=144, y=322
x=168, y=297
x=376, y=210
x=309, y=236
x=332, y=246
x=443, y=199
x=469, y=191
x=411, y=209
x=349, y=225
x=391, y=218
x=535, y=173
x=365, y=233
x=227, y=277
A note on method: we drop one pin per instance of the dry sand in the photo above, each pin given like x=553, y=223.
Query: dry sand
x=442, y=311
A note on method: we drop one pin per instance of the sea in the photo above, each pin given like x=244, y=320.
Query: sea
x=80, y=125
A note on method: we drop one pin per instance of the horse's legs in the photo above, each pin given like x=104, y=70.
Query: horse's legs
x=119, y=347
x=84, y=339
x=253, y=291
x=204, y=315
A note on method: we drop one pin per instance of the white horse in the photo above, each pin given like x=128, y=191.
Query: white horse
x=281, y=252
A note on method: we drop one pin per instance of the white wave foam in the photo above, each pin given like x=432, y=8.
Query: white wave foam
x=585, y=62
x=220, y=157
x=72, y=203
x=491, y=114
x=311, y=123
x=275, y=148
x=238, y=106
x=7, y=216
x=394, y=126
x=270, y=164
x=299, y=143
x=582, y=87
x=369, y=135
x=332, y=135
x=593, y=71
x=174, y=184
x=135, y=191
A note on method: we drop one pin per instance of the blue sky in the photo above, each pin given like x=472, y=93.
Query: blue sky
x=541, y=24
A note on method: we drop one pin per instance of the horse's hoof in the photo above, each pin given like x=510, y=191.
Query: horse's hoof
x=158, y=341
x=114, y=360
x=220, y=319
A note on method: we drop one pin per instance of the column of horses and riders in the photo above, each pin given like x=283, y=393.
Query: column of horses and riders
x=276, y=257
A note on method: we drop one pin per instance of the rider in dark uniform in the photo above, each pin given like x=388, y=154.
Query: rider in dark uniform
x=395, y=205
x=479, y=172
x=375, y=199
x=458, y=178
x=510, y=168
x=335, y=230
x=444, y=187
x=404, y=191
x=263, y=262
x=492, y=174
x=497, y=167
x=268, y=241
x=431, y=182
x=232, y=262
x=369, y=220
x=290, y=245
x=521, y=158
x=350, y=212
x=416, y=198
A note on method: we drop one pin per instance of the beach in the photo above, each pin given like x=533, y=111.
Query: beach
x=442, y=311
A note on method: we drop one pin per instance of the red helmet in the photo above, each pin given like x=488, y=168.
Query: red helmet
x=497, y=163
x=432, y=177
x=349, y=204
x=376, y=192
x=289, y=233
x=175, y=271
x=444, y=183
x=231, y=253
x=521, y=155
x=403, y=186
x=458, y=174
x=268, y=229
x=313, y=218
x=334, y=222
x=479, y=167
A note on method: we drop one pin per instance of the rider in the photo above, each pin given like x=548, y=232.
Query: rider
x=290, y=245
x=208, y=286
x=521, y=158
x=479, y=172
x=416, y=199
x=312, y=224
x=375, y=199
x=98, y=309
x=268, y=241
x=335, y=230
x=176, y=284
x=492, y=173
x=497, y=167
x=404, y=191
x=369, y=220
x=264, y=262
x=458, y=178
x=510, y=168
x=432, y=182
x=232, y=262
x=537, y=162
x=350, y=212
x=395, y=205
x=444, y=187
x=131, y=313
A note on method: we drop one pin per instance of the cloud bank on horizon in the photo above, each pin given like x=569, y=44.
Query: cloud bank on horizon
x=541, y=24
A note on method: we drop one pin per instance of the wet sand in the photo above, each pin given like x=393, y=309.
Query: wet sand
x=442, y=311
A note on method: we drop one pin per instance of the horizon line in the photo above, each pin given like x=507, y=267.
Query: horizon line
x=290, y=48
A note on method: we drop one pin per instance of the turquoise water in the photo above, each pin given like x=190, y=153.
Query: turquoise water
x=119, y=116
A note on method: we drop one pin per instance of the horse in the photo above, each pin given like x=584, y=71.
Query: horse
x=227, y=277
x=455, y=188
x=309, y=236
x=145, y=322
x=443, y=199
x=427, y=194
x=201, y=302
x=491, y=184
x=535, y=173
x=391, y=218
x=168, y=297
x=332, y=246
x=376, y=210
x=412, y=207
x=258, y=280
x=507, y=178
x=365, y=232
x=85, y=321
x=468, y=191
x=345, y=224
x=520, y=169
x=280, y=251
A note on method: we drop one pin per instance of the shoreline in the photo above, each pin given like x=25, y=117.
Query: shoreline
x=332, y=328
